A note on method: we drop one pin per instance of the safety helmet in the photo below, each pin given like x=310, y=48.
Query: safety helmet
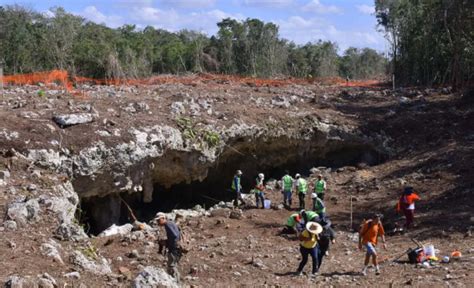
x=297, y=175
x=261, y=176
x=313, y=195
x=239, y=172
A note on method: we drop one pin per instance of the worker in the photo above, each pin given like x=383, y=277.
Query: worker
x=259, y=188
x=287, y=185
x=293, y=224
x=407, y=205
x=368, y=235
x=173, y=236
x=237, y=188
x=309, y=246
x=302, y=188
x=309, y=216
x=325, y=238
x=320, y=187
x=318, y=205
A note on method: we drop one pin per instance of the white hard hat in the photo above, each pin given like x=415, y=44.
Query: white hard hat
x=261, y=176
x=313, y=195
x=297, y=175
x=160, y=215
x=239, y=172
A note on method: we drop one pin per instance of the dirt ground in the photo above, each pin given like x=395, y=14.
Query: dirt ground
x=432, y=137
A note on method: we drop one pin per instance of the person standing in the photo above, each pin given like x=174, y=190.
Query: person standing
x=318, y=205
x=368, y=235
x=259, y=188
x=320, y=187
x=302, y=188
x=407, y=205
x=173, y=236
x=325, y=238
x=287, y=185
x=237, y=188
x=309, y=247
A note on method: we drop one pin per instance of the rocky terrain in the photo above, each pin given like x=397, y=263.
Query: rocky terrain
x=74, y=164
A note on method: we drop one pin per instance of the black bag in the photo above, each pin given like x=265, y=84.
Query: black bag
x=416, y=255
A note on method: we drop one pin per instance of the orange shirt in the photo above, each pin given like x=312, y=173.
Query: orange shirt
x=370, y=234
x=406, y=201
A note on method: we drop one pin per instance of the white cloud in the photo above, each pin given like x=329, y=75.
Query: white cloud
x=366, y=9
x=91, y=13
x=301, y=31
x=189, y=3
x=317, y=7
x=266, y=3
x=172, y=20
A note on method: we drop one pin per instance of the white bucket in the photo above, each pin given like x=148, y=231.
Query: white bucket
x=267, y=203
x=429, y=250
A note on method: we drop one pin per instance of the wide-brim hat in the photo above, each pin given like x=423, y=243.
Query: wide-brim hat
x=314, y=227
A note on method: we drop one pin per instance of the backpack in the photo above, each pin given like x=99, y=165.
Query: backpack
x=184, y=243
x=416, y=255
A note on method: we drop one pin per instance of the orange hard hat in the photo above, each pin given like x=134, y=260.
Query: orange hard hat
x=456, y=254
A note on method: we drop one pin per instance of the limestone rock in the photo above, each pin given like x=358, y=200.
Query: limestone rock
x=50, y=249
x=70, y=231
x=100, y=266
x=23, y=212
x=66, y=120
x=117, y=230
x=154, y=277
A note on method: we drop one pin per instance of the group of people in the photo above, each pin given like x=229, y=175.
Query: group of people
x=312, y=227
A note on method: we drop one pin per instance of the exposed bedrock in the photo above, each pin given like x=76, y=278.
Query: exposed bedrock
x=162, y=170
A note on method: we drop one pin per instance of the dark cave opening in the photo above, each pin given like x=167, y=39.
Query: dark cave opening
x=101, y=212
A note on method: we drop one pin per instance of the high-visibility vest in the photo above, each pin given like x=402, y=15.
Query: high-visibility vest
x=233, y=183
x=311, y=215
x=319, y=206
x=287, y=182
x=319, y=186
x=302, y=186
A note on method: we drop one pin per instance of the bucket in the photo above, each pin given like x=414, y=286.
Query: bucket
x=267, y=203
x=429, y=250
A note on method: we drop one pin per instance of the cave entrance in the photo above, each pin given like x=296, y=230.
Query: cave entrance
x=101, y=212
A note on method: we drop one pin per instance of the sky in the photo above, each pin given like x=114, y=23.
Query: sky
x=346, y=22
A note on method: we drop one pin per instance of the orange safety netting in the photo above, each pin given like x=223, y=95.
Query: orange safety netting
x=64, y=79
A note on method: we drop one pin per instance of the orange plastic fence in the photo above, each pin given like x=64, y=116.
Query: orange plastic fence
x=64, y=79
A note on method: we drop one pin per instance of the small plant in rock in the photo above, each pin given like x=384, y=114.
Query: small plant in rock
x=41, y=93
x=187, y=127
x=91, y=252
x=212, y=138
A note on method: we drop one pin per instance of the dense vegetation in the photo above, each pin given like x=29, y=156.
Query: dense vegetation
x=432, y=40
x=30, y=41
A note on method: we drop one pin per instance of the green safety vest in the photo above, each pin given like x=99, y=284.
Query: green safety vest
x=311, y=215
x=287, y=182
x=319, y=186
x=233, y=183
x=291, y=222
x=319, y=207
x=302, y=186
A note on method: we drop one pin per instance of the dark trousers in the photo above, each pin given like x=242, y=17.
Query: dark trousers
x=323, y=247
x=259, y=196
x=410, y=217
x=237, y=197
x=320, y=196
x=305, y=252
x=301, y=197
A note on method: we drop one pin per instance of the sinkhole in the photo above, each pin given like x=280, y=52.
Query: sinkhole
x=271, y=158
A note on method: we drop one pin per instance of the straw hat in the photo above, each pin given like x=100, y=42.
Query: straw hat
x=314, y=227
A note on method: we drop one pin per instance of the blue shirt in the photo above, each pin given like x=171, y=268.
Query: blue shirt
x=172, y=235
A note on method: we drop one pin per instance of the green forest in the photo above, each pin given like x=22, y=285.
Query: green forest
x=432, y=42
x=31, y=41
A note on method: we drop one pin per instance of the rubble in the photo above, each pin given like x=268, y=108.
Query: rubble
x=67, y=120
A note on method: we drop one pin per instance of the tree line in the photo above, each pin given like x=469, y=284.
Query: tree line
x=432, y=40
x=31, y=41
